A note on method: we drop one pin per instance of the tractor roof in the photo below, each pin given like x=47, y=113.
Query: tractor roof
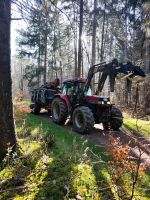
x=77, y=80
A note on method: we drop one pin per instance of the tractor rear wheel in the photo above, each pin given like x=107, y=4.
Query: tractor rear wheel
x=49, y=112
x=106, y=126
x=83, y=119
x=36, y=109
x=59, y=111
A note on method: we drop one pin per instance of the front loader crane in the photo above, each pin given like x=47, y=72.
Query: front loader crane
x=111, y=70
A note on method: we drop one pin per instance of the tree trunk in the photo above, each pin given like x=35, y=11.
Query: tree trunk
x=45, y=58
x=125, y=60
x=102, y=38
x=46, y=35
x=75, y=41
x=94, y=40
x=21, y=77
x=7, y=131
x=80, y=39
x=39, y=60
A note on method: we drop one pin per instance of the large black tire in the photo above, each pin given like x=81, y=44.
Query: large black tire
x=116, y=118
x=59, y=111
x=83, y=119
x=49, y=112
x=36, y=109
x=106, y=126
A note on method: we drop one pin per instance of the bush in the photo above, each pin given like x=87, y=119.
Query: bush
x=125, y=171
x=20, y=112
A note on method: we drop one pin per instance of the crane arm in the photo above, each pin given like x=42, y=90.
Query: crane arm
x=111, y=70
x=99, y=68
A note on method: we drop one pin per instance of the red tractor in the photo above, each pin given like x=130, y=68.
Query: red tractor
x=85, y=109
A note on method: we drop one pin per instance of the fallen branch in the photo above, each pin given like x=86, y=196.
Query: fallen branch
x=14, y=181
x=14, y=189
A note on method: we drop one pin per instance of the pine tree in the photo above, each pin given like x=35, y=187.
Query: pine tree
x=7, y=131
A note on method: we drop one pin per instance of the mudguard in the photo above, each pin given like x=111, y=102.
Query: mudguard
x=64, y=98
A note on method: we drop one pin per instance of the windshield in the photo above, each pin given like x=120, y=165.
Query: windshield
x=81, y=87
x=75, y=87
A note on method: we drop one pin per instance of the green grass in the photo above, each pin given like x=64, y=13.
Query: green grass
x=27, y=102
x=56, y=163
x=63, y=138
x=139, y=125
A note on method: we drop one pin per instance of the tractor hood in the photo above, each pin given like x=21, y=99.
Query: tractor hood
x=94, y=99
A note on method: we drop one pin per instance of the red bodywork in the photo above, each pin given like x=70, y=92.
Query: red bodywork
x=92, y=98
x=78, y=80
x=65, y=98
x=61, y=96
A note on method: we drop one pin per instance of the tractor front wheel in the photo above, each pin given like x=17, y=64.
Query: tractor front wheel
x=59, y=111
x=116, y=118
x=83, y=119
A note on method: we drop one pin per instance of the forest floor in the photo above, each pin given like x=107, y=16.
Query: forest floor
x=55, y=163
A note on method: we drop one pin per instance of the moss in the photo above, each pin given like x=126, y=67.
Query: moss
x=36, y=132
x=7, y=172
x=84, y=182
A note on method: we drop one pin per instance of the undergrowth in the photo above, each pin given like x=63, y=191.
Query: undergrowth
x=54, y=163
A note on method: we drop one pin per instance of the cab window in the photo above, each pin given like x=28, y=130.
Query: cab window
x=68, y=88
x=89, y=92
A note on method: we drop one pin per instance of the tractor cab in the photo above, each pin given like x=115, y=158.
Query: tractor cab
x=73, y=86
x=74, y=89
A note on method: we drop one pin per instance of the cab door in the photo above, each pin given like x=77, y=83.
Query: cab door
x=69, y=89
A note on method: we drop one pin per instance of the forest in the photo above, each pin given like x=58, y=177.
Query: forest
x=75, y=99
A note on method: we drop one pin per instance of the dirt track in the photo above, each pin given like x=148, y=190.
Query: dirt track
x=100, y=138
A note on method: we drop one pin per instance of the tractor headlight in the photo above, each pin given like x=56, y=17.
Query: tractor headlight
x=100, y=102
x=108, y=102
x=103, y=102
